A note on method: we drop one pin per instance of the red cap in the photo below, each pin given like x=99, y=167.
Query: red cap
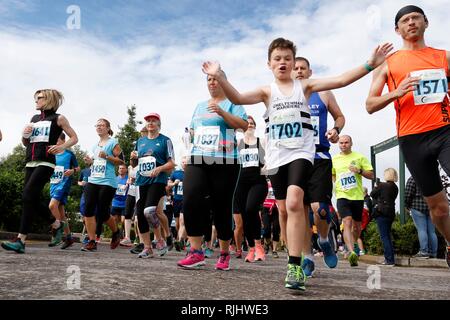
x=152, y=115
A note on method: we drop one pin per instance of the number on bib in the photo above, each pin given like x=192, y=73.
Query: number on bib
x=432, y=87
x=98, y=168
x=57, y=175
x=146, y=164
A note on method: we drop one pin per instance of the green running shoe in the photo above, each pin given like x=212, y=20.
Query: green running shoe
x=57, y=235
x=295, y=278
x=15, y=245
x=353, y=259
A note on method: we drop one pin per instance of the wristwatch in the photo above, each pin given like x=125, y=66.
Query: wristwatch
x=337, y=129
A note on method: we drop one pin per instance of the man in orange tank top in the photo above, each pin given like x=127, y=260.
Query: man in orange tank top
x=417, y=78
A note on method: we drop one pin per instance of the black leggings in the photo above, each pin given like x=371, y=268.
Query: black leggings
x=149, y=196
x=98, y=202
x=35, y=180
x=271, y=224
x=129, y=206
x=249, y=200
x=219, y=182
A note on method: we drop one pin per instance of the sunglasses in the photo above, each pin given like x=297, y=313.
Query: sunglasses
x=38, y=98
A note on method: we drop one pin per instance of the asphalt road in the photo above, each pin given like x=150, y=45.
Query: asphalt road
x=52, y=273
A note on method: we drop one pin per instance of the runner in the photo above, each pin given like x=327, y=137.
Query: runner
x=156, y=159
x=40, y=137
x=176, y=182
x=348, y=169
x=213, y=171
x=102, y=185
x=120, y=197
x=320, y=186
x=289, y=133
x=130, y=203
x=251, y=191
x=417, y=79
x=60, y=183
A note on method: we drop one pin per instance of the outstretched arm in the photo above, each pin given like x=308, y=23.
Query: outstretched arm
x=251, y=97
x=377, y=58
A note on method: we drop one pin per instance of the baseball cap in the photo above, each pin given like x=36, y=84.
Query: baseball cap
x=152, y=115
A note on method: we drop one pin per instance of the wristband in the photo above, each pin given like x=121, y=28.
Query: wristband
x=361, y=171
x=368, y=67
x=337, y=130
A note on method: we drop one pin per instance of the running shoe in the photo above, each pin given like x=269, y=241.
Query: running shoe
x=57, y=235
x=161, y=247
x=193, y=260
x=86, y=239
x=259, y=252
x=137, y=248
x=91, y=246
x=250, y=255
x=115, y=239
x=15, y=245
x=421, y=254
x=356, y=249
x=177, y=245
x=208, y=253
x=329, y=255
x=223, y=263
x=308, y=267
x=146, y=253
x=238, y=254
x=353, y=259
x=67, y=243
x=295, y=278
x=126, y=242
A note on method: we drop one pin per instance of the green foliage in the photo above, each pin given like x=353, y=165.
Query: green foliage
x=128, y=134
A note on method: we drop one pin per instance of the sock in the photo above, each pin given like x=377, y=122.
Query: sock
x=295, y=260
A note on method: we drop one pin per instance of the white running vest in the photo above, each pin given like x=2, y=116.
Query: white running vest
x=289, y=133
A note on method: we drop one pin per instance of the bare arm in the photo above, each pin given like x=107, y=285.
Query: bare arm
x=233, y=121
x=251, y=97
x=167, y=167
x=336, y=113
x=377, y=58
x=115, y=159
x=376, y=101
x=73, y=138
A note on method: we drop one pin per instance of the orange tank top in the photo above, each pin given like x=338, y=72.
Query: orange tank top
x=427, y=108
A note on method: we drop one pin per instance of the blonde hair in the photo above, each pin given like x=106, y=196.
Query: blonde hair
x=390, y=174
x=53, y=98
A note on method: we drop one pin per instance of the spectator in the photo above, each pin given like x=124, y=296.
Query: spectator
x=385, y=194
x=420, y=213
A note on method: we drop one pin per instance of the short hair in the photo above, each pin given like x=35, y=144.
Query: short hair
x=53, y=98
x=303, y=59
x=390, y=174
x=108, y=125
x=282, y=44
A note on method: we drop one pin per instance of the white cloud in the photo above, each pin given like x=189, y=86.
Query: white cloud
x=100, y=78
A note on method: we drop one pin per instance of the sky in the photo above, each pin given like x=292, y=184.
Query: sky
x=107, y=55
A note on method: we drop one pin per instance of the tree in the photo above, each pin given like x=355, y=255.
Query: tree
x=128, y=134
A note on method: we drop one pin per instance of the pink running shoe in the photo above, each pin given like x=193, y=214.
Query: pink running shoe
x=193, y=260
x=250, y=255
x=224, y=262
x=259, y=253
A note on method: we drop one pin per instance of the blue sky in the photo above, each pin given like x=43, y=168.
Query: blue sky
x=149, y=53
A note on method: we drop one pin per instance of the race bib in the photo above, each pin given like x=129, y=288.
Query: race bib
x=432, y=87
x=285, y=128
x=121, y=190
x=41, y=132
x=315, y=122
x=57, y=175
x=348, y=181
x=249, y=157
x=146, y=164
x=207, y=138
x=98, y=168
x=180, y=189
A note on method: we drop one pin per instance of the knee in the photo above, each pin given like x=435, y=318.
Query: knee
x=293, y=205
x=439, y=210
x=53, y=206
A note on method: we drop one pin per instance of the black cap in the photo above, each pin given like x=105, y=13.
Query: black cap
x=407, y=10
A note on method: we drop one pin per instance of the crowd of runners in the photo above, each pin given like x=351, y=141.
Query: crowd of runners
x=264, y=194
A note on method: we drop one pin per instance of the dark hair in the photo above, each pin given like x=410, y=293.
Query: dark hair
x=283, y=44
x=108, y=125
x=253, y=119
x=303, y=59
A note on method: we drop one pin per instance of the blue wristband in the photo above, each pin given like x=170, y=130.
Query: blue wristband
x=368, y=67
